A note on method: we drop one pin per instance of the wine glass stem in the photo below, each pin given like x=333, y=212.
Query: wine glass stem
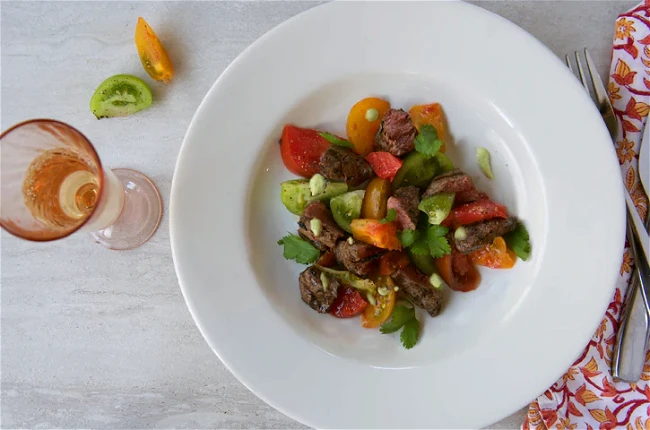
x=110, y=204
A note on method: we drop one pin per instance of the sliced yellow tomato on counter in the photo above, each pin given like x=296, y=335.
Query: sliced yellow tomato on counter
x=152, y=53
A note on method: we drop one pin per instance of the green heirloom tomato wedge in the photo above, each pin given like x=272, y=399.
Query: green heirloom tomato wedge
x=120, y=95
x=423, y=262
x=347, y=207
x=296, y=194
x=417, y=169
x=437, y=207
x=443, y=162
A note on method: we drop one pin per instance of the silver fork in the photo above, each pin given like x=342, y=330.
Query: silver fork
x=590, y=79
x=631, y=343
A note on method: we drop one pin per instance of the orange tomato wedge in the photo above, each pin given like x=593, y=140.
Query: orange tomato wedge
x=375, y=315
x=361, y=131
x=495, y=255
x=430, y=114
x=458, y=272
x=152, y=53
x=373, y=232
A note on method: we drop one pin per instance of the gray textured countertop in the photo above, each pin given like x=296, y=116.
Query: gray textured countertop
x=101, y=339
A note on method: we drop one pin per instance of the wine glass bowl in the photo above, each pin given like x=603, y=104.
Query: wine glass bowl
x=36, y=157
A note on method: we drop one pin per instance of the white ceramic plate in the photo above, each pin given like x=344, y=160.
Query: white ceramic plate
x=492, y=350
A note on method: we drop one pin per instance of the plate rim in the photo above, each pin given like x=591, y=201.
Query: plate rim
x=174, y=192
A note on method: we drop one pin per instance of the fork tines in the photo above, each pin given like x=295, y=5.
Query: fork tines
x=588, y=75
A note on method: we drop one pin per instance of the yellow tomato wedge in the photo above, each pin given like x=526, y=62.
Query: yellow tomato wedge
x=431, y=114
x=495, y=255
x=375, y=315
x=363, y=123
x=152, y=53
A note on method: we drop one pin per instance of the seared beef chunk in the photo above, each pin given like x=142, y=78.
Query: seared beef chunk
x=470, y=196
x=341, y=164
x=358, y=257
x=405, y=201
x=416, y=286
x=396, y=133
x=454, y=181
x=482, y=233
x=313, y=293
x=330, y=231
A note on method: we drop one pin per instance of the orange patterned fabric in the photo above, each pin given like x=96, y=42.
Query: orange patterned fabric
x=587, y=397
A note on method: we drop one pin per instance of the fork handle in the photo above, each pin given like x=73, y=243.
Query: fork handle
x=633, y=334
x=632, y=337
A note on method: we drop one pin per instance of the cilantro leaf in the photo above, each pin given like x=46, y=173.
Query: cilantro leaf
x=298, y=249
x=390, y=217
x=420, y=246
x=439, y=247
x=401, y=315
x=408, y=237
x=438, y=244
x=519, y=241
x=335, y=140
x=410, y=333
x=437, y=231
x=427, y=142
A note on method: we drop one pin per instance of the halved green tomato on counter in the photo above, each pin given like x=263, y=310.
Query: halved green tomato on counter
x=120, y=95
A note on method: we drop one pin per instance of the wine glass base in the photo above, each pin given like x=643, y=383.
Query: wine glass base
x=140, y=215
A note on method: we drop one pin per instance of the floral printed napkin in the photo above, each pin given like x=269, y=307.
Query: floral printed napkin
x=587, y=397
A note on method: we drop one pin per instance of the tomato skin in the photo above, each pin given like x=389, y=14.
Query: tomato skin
x=458, y=271
x=375, y=199
x=361, y=132
x=348, y=303
x=327, y=259
x=374, y=316
x=480, y=210
x=430, y=114
x=375, y=233
x=393, y=261
x=384, y=164
x=301, y=150
x=152, y=53
x=495, y=255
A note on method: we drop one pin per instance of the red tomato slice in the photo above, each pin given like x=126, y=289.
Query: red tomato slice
x=348, y=303
x=479, y=210
x=458, y=272
x=384, y=164
x=301, y=150
x=393, y=261
x=327, y=259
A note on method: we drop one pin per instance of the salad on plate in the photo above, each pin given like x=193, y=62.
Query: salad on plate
x=387, y=221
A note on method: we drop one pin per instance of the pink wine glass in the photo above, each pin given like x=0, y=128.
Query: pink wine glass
x=53, y=184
